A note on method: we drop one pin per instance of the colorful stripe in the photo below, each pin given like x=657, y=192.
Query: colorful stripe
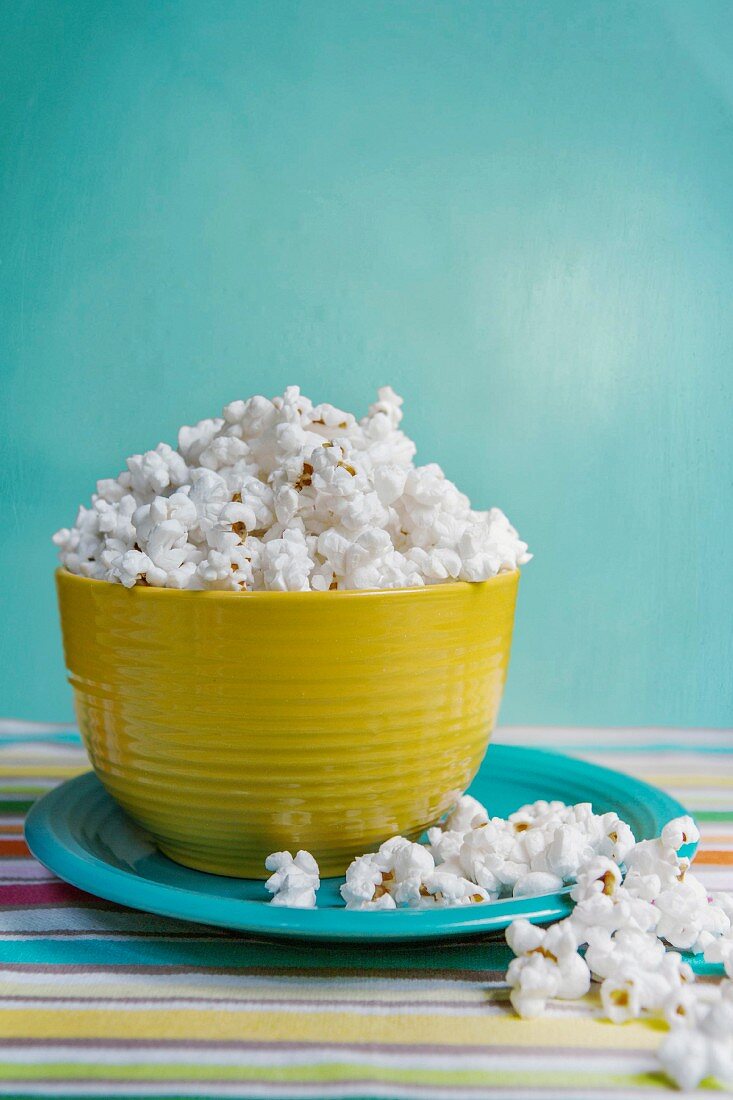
x=101, y=1001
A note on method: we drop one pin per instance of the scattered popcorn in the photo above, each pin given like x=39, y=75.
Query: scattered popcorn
x=473, y=858
x=407, y=867
x=630, y=928
x=609, y=954
x=287, y=496
x=400, y=869
x=688, y=919
x=365, y=884
x=633, y=991
x=547, y=965
x=624, y=932
x=701, y=1045
x=720, y=950
x=295, y=881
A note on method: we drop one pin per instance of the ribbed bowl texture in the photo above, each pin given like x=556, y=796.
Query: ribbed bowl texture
x=231, y=725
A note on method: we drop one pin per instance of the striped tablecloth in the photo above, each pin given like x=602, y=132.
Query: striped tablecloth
x=96, y=1000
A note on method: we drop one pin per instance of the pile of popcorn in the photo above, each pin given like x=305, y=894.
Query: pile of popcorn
x=636, y=907
x=287, y=495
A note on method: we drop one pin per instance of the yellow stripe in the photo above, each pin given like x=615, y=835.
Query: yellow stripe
x=676, y=780
x=345, y=1027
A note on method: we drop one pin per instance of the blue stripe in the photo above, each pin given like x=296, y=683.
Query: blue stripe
x=238, y=952
x=39, y=738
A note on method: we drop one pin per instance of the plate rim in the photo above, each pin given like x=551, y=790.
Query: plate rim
x=45, y=826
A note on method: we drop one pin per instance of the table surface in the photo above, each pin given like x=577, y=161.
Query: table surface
x=97, y=1000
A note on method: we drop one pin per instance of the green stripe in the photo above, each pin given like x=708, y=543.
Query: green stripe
x=327, y=1072
x=713, y=815
x=12, y=808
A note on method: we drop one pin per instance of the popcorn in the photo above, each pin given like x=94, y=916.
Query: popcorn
x=569, y=849
x=600, y=876
x=404, y=859
x=380, y=901
x=364, y=884
x=618, y=839
x=399, y=868
x=701, y=1046
x=652, y=866
x=724, y=901
x=681, y=1005
x=468, y=813
x=682, y=830
x=444, y=844
x=406, y=867
x=697, y=1057
x=295, y=881
x=626, y=997
x=687, y=916
x=287, y=496
x=286, y=563
x=609, y=954
x=156, y=470
x=627, y=927
x=534, y=980
x=485, y=858
x=547, y=965
x=448, y=889
x=537, y=882
x=662, y=989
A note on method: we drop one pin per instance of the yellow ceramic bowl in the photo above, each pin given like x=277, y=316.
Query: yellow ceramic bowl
x=231, y=725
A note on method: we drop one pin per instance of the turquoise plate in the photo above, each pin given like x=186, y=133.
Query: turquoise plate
x=80, y=833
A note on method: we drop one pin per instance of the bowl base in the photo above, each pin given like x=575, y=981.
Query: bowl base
x=211, y=867
x=249, y=869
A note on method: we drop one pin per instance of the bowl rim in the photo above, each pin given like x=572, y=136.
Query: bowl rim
x=148, y=592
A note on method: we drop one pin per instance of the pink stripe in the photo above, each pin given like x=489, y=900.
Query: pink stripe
x=44, y=893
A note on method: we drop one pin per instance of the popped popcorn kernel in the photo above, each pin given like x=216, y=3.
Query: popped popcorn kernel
x=286, y=496
x=295, y=880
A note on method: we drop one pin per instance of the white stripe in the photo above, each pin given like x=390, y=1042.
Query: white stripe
x=58, y=753
x=15, y=726
x=563, y=1010
x=661, y=760
x=79, y=918
x=72, y=983
x=715, y=878
x=699, y=801
x=521, y=1060
x=544, y=736
x=529, y=734
x=36, y=781
x=24, y=868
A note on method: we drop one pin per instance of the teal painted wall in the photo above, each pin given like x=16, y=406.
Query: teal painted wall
x=519, y=214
